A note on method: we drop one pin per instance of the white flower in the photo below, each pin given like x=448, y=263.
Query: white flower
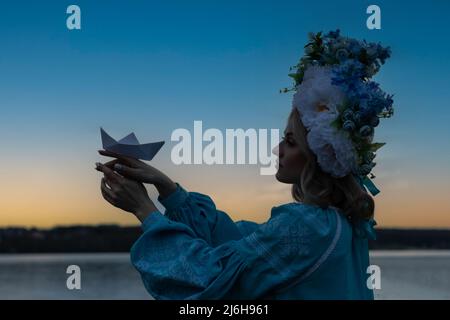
x=316, y=95
x=317, y=100
x=334, y=149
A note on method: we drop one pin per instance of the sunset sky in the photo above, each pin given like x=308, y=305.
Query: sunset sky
x=154, y=66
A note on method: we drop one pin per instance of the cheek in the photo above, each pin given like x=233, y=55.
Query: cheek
x=293, y=160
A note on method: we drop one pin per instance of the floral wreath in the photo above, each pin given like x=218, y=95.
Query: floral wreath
x=339, y=105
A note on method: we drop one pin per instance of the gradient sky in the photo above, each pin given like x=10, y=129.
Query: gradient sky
x=154, y=66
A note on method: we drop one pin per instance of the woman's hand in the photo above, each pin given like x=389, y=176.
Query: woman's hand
x=126, y=194
x=140, y=172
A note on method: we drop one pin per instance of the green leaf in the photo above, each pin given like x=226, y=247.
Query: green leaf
x=336, y=123
x=341, y=107
x=375, y=146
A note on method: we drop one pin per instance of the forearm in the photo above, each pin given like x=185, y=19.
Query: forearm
x=142, y=213
x=165, y=187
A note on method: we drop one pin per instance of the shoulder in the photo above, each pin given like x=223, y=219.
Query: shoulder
x=295, y=229
x=304, y=233
x=297, y=238
x=316, y=220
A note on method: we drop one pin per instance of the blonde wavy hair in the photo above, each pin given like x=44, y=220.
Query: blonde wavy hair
x=320, y=188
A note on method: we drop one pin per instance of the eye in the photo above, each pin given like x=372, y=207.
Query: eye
x=289, y=141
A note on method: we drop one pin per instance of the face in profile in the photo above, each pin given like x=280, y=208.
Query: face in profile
x=291, y=158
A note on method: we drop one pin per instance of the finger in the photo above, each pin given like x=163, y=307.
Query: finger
x=108, y=153
x=113, y=185
x=110, y=164
x=127, y=159
x=108, y=186
x=107, y=193
x=128, y=172
x=109, y=174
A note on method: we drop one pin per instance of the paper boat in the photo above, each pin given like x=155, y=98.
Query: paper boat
x=130, y=146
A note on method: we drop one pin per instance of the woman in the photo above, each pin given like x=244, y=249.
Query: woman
x=313, y=248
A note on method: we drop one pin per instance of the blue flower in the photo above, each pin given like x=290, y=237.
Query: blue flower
x=348, y=75
x=354, y=46
x=349, y=125
x=383, y=53
x=347, y=115
x=357, y=117
x=342, y=54
x=365, y=131
x=333, y=34
x=374, y=121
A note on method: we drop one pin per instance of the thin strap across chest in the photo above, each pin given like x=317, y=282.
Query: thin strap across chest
x=322, y=258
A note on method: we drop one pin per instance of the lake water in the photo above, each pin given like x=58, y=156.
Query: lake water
x=404, y=275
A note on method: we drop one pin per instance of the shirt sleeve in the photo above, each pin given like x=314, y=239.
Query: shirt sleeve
x=175, y=264
x=246, y=227
x=199, y=212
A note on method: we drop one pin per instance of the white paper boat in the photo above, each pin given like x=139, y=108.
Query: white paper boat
x=130, y=146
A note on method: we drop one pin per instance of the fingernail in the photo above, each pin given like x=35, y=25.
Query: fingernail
x=118, y=166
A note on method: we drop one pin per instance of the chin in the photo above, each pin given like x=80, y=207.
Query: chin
x=276, y=176
x=281, y=179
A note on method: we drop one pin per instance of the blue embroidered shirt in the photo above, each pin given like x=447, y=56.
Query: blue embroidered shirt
x=195, y=251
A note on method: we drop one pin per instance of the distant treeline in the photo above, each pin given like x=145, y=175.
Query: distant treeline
x=388, y=239
x=112, y=238
x=104, y=238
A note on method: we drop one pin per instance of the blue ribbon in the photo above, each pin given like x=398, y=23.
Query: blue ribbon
x=370, y=186
x=364, y=228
